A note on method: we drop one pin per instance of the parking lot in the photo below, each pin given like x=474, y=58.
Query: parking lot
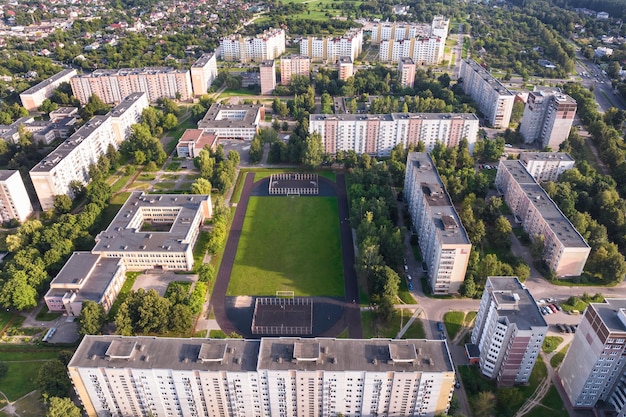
x=239, y=146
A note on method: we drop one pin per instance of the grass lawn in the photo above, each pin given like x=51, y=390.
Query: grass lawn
x=146, y=176
x=289, y=243
x=453, y=321
x=170, y=177
x=30, y=406
x=581, y=303
x=469, y=317
x=557, y=358
x=45, y=315
x=199, y=250
x=179, y=130
x=173, y=166
x=115, y=204
x=164, y=186
x=238, y=92
x=128, y=285
x=373, y=327
x=552, y=405
x=120, y=183
x=24, y=362
x=404, y=294
x=550, y=343
x=416, y=331
x=5, y=317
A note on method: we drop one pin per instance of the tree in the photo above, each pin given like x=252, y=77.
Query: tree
x=607, y=262
x=206, y=273
x=48, y=106
x=62, y=204
x=17, y=293
x=180, y=319
x=501, y=235
x=468, y=289
x=256, y=151
x=201, y=186
x=517, y=112
x=62, y=407
x=313, y=151
x=169, y=121
x=484, y=404
x=52, y=379
x=91, y=318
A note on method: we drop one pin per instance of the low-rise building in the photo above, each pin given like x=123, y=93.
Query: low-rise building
x=193, y=141
x=266, y=377
x=232, y=121
x=33, y=97
x=14, y=200
x=509, y=331
x=442, y=238
x=565, y=250
x=546, y=166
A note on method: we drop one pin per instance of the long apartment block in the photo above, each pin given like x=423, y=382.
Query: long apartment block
x=330, y=49
x=401, y=30
x=593, y=373
x=442, y=238
x=494, y=100
x=70, y=161
x=377, y=134
x=265, y=46
x=112, y=86
x=14, y=200
x=33, y=97
x=141, y=376
x=565, y=250
x=151, y=231
x=509, y=331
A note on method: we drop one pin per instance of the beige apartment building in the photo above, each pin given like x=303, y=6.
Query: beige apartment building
x=406, y=71
x=548, y=117
x=203, y=73
x=294, y=65
x=14, y=200
x=345, y=68
x=267, y=72
x=112, y=86
x=442, y=238
x=565, y=250
x=264, y=46
x=33, y=97
x=330, y=49
x=276, y=377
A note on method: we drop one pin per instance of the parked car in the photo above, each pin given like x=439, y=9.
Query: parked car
x=561, y=328
x=543, y=311
x=568, y=329
x=440, y=326
x=551, y=300
x=542, y=301
x=508, y=145
x=410, y=286
x=406, y=268
x=558, y=307
x=457, y=384
x=442, y=336
x=552, y=307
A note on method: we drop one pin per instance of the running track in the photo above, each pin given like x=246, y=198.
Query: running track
x=352, y=315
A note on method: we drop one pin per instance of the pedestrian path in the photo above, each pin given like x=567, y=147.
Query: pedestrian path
x=409, y=323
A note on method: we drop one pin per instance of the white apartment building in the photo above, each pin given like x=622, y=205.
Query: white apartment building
x=509, y=331
x=424, y=51
x=442, y=238
x=34, y=96
x=232, y=121
x=494, y=100
x=548, y=117
x=406, y=71
x=265, y=46
x=70, y=161
x=112, y=86
x=593, y=370
x=377, y=134
x=345, y=68
x=546, y=166
x=565, y=250
x=294, y=65
x=14, y=200
x=203, y=73
x=330, y=49
x=155, y=231
x=402, y=31
x=141, y=376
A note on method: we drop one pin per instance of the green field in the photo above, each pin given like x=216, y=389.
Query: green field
x=289, y=244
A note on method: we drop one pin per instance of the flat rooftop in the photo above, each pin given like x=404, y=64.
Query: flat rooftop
x=545, y=156
x=5, y=174
x=124, y=234
x=393, y=116
x=203, y=60
x=268, y=63
x=493, y=82
x=345, y=60
x=121, y=108
x=191, y=135
x=609, y=312
x=515, y=302
x=556, y=220
x=125, y=72
x=444, y=214
x=214, y=118
x=48, y=81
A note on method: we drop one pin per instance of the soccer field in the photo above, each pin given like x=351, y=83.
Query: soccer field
x=289, y=244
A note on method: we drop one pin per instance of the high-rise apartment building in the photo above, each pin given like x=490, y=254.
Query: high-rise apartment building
x=14, y=200
x=112, y=86
x=345, y=67
x=442, y=238
x=34, y=96
x=493, y=99
x=331, y=49
x=140, y=376
x=593, y=373
x=565, y=251
x=546, y=166
x=203, y=73
x=262, y=47
x=548, y=117
x=294, y=65
x=70, y=161
x=267, y=72
x=509, y=331
x=424, y=51
x=377, y=134
x=385, y=31
x=406, y=71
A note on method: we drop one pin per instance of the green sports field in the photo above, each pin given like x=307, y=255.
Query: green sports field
x=289, y=244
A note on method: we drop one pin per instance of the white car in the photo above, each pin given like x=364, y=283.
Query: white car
x=508, y=145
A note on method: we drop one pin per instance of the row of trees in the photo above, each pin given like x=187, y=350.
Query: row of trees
x=216, y=168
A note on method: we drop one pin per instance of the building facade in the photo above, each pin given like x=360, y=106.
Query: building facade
x=345, y=67
x=112, y=86
x=385, y=31
x=203, y=72
x=377, y=134
x=267, y=71
x=509, y=331
x=442, y=238
x=493, y=99
x=593, y=370
x=406, y=70
x=423, y=51
x=329, y=49
x=565, y=250
x=33, y=97
x=548, y=117
x=70, y=161
x=546, y=166
x=265, y=46
x=233, y=121
x=141, y=376
x=294, y=65
x=193, y=141
x=14, y=200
